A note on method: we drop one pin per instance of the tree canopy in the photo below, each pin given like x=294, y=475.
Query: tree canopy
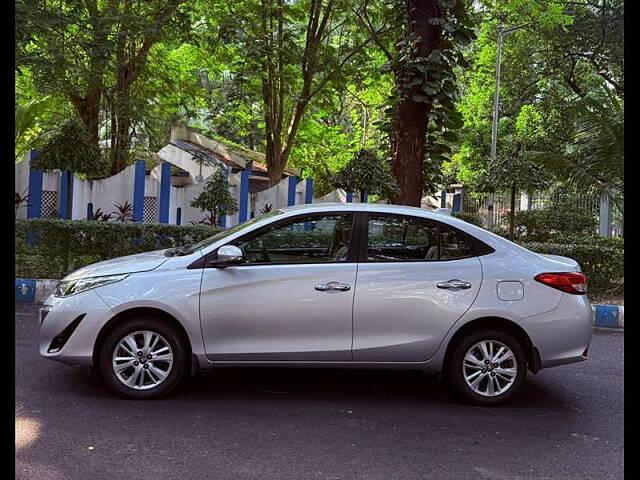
x=310, y=83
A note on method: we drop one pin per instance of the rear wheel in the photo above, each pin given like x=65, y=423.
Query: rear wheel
x=144, y=358
x=487, y=367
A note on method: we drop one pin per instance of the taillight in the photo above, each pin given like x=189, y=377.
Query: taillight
x=570, y=282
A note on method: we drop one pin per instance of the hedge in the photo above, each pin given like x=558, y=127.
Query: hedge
x=49, y=248
x=472, y=218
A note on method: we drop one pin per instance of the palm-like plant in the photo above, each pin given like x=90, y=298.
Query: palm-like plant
x=27, y=120
x=594, y=161
x=124, y=213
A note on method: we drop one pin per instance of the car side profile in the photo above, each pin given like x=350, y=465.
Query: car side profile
x=326, y=285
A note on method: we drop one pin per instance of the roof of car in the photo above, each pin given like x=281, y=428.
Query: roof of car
x=369, y=207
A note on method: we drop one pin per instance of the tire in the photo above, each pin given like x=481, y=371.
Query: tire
x=149, y=382
x=478, y=344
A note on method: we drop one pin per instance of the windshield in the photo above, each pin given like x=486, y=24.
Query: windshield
x=225, y=233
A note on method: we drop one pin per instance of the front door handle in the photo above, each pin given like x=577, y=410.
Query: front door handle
x=323, y=287
x=455, y=283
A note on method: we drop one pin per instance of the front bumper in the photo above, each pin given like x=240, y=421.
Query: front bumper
x=562, y=335
x=62, y=312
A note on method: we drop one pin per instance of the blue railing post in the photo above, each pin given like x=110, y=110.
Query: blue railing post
x=291, y=197
x=62, y=208
x=34, y=207
x=457, y=202
x=138, y=190
x=165, y=192
x=308, y=192
x=349, y=197
x=443, y=199
x=243, y=213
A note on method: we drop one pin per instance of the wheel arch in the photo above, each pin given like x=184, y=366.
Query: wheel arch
x=503, y=325
x=136, y=312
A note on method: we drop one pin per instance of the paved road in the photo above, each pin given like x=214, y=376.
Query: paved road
x=286, y=424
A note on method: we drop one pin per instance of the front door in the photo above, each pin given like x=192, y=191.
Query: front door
x=290, y=300
x=406, y=301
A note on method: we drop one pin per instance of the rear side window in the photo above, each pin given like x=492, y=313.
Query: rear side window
x=394, y=238
x=454, y=244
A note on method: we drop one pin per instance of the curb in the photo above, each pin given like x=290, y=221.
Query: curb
x=608, y=316
x=30, y=290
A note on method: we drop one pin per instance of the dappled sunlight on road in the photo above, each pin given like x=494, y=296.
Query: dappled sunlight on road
x=27, y=431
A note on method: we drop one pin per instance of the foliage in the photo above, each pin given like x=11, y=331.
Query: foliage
x=546, y=224
x=29, y=129
x=472, y=218
x=48, y=248
x=94, y=54
x=124, y=212
x=366, y=172
x=70, y=148
x=101, y=216
x=593, y=162
x=603, y=265
x=215, y=198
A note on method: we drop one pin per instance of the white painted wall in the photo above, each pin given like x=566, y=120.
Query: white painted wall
x=21, y=173
x=103, y=193
x=276, y=196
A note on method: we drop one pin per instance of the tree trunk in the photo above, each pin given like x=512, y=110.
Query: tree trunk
x=88, y=110
x=410, y=118
x=512, y=212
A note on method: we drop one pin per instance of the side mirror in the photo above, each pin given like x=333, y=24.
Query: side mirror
x=228, y=255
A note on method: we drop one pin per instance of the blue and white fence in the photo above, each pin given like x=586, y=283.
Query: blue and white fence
x=155, y=196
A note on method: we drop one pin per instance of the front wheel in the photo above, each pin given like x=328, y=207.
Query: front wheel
x=144, y=358
x=487, y=367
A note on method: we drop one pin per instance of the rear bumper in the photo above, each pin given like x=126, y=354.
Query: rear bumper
x=562, y=335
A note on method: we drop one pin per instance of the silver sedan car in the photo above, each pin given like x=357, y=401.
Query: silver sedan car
x=326, y=285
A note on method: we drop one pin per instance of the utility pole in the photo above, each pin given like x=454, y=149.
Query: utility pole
x=496, y=103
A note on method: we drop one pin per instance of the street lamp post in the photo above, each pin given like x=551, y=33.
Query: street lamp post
x=502, y=32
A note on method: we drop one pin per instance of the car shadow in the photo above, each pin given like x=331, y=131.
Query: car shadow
x=322, y=385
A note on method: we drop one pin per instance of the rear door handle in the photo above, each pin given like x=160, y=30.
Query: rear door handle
x=323, y=287
x=455, y=283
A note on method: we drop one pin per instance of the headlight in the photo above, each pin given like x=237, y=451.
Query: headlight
x=66, y=288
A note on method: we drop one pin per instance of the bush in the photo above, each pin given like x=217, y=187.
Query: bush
x=603, y=264
x=47, y=248
x=472, y=218
x=562, y=219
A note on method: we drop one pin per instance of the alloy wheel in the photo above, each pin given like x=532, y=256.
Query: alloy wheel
x=142, y=360
x=489, y=368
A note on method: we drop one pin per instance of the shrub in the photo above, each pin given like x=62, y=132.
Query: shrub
x=562, y=219
x=47, y=248
x=603, y=264
x=472, y=218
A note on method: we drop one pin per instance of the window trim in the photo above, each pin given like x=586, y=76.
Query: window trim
x=352, y=252
x=478, y=247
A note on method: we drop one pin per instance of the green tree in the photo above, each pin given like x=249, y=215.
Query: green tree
x=70, y=148
x=367, y=172
x=215, y=198
x=296, y=49
x=93, y=53
x=593, y=160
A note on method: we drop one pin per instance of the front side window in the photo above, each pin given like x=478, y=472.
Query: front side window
x=410, y=239
x=314, y=239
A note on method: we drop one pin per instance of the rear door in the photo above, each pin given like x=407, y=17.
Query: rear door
x=416, y=278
